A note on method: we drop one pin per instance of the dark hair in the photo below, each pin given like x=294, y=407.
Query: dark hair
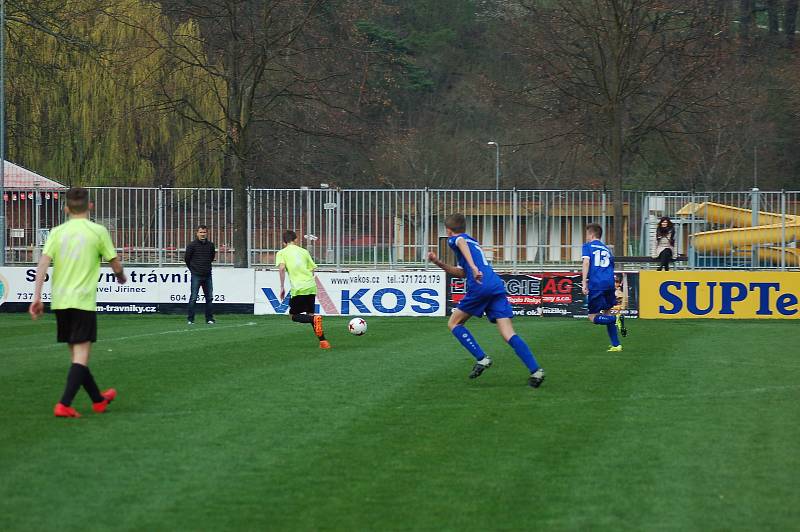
x=78, y=200
x=289, y=236
x=668, y=231
x=456, y=222
x=595, y=229
x=202, y=227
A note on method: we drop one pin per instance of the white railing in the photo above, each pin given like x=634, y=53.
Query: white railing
x=343, y=228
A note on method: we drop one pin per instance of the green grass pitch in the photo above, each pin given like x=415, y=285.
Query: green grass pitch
x=247, y=425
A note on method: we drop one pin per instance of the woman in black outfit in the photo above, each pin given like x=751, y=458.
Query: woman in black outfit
x=665, y=243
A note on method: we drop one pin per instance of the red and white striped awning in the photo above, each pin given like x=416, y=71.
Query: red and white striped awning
x=16, y=177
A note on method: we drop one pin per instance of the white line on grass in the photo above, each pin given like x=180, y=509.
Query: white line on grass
x=188, y=329
x=133, y=336
x=673, y=397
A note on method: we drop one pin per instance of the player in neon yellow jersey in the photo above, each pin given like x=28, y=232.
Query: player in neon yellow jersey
x=75, y=249
x=298, y=263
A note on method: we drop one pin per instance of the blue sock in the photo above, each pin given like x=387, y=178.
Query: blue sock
x=612, y=333
x=523, y=352
x=463, y=335
x=605, y=319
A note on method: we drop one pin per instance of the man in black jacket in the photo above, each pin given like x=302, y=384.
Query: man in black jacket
x=199, y=255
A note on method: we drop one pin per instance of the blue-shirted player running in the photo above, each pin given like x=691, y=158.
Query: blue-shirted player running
x=485, y=294
x=598, y=284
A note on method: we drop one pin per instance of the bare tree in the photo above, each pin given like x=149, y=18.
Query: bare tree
x=53, y=18
x=747, y=19
x=246, y=60
x=266, y=76
x=616, y=72
x=772, y=17
x=790, y=26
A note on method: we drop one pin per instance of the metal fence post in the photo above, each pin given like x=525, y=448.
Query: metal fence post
x=754, y=204
x=426, y=225
x=249, y=235
x=604, y=209
x=339, y=241
x=783, y=230
x=690, y=250
x=37, y=240
x=515, y=229
x=160, y=224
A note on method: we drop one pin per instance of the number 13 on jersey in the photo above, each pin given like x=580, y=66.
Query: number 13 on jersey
x=601, y=258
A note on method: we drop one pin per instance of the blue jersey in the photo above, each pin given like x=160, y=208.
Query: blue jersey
x=601, y=265
x=491, y=282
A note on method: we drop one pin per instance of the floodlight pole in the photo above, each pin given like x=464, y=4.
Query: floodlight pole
x=2, y=132
x=497, y=163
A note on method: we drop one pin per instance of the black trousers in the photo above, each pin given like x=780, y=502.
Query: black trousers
x=664, y=259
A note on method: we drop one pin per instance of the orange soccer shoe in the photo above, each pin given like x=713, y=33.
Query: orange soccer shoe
x=324, y=344
x=108, y=396
x=65, y=411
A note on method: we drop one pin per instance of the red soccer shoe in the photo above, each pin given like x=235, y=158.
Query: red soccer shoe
x=65, y=411
x=108, y=396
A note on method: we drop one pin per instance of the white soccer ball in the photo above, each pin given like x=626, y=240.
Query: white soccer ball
x=357, y=326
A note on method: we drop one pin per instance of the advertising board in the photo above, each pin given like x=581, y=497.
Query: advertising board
x=148, y=290
x=720, y=294
x=361, y=293
x=553, y=293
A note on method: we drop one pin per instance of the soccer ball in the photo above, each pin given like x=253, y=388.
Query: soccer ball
x=357, y=326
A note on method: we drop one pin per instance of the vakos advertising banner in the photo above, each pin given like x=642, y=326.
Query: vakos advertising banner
x=361, y=293
x=720, y=294
x=553, y=293
x=147, y=291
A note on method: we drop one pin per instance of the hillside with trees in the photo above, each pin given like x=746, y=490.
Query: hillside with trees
x=685, y=94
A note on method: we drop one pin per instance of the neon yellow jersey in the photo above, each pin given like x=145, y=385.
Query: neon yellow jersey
x=76, y=248
x=300, y=266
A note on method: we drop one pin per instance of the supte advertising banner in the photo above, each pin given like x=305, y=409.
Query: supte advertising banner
x=720, y=295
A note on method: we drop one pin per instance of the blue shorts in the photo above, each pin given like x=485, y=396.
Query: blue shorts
x=599, y=300
x=495, y=306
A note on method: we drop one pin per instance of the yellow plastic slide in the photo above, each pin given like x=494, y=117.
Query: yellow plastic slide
x=743, y=235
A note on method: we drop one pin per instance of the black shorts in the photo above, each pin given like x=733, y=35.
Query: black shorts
x=76, y=326
x=301, y=304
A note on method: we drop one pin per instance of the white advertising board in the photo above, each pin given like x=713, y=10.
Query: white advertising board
x=147, y=290
x=361, y=293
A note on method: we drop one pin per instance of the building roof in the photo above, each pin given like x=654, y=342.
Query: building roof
x=16, y=177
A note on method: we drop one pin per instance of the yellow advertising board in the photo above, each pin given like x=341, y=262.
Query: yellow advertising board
x=719, y=294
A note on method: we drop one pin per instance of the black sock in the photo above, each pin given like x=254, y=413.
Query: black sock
x=303, y=318
x=91, y=387
x=74, y=380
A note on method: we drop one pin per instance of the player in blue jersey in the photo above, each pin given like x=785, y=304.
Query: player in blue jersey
x=485, y=294
x=598, y=284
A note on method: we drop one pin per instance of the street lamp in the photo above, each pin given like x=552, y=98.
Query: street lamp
x=497, y=164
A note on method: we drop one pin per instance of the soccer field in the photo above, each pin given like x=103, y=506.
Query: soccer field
x=247, y=425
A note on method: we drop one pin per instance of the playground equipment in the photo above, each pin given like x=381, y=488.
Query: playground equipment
x=773, y=238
